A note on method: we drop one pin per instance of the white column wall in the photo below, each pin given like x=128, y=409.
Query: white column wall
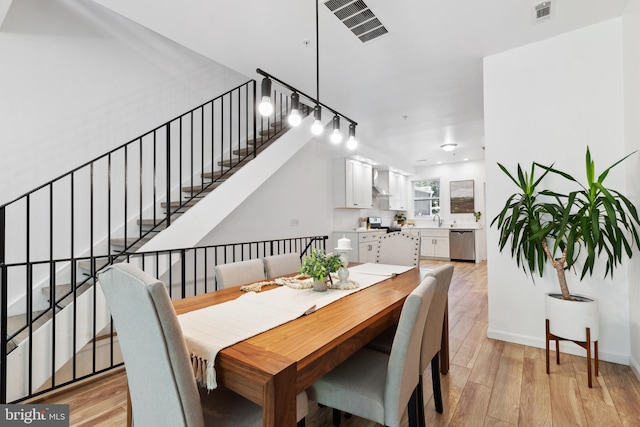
x=631, y=36
x=78, y=80
x=547, y=102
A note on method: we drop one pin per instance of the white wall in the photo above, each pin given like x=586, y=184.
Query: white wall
x=631, y=36
x=546, y=102
x=77, y=80
x=298, y=193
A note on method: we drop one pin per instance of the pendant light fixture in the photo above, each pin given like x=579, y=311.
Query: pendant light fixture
x=336, y=136
x=266, y=107
x=352, y=143
x=295, y=118
x=316, y=127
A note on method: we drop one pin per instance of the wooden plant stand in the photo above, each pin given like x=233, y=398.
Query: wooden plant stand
x=584, y=344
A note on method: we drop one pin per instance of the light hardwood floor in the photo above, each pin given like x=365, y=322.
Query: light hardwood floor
x=490, y=383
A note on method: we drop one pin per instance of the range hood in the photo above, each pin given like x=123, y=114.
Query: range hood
x=378, y=190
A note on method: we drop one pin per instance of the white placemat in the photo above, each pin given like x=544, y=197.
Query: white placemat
x=209, y=330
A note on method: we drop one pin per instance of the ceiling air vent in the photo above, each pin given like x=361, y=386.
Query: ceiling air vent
x=357, y=17
x=543, y=10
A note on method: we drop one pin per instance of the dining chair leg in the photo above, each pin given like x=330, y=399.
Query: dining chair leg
x=336, y=417
x=435, y=377
x=412, y=408
x=421, y=421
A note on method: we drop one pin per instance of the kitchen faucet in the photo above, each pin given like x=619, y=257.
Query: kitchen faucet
x=439, y=219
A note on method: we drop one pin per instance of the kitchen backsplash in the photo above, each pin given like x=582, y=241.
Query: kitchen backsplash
x=349, y=219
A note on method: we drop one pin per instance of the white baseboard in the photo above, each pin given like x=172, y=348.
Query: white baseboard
x=565, y=347
x=635, y=367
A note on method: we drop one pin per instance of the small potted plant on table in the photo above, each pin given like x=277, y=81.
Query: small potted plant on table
x=318, y=266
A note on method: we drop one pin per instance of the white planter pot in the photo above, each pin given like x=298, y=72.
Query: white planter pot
x=569, y=319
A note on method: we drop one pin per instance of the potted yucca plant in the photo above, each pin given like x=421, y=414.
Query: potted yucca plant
x=543, y=227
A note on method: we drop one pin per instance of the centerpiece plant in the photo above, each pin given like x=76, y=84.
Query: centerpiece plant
x=319, y=265
x=541, y=226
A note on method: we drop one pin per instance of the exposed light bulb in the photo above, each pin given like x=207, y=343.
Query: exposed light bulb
x=294, y=118
x=265, y=108
x=336, y=136
x=352, y=143
x=317, y=128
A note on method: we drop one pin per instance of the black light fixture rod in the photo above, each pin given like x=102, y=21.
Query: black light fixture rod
x=317, y=56
x=311, y=98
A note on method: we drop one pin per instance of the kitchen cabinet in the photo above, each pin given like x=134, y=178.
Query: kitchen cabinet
x=398, y=189
x=352, y=184
x=434, y=243
x=364, y=244
x=396, y=184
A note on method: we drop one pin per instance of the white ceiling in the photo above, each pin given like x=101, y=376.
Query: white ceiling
x=410, y=90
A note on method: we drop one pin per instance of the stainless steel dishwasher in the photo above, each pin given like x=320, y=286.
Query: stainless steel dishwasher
x=462, y=245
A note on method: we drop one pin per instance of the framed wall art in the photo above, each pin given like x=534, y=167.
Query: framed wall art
x=462, y=196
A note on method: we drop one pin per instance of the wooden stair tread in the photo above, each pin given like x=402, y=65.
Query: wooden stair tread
x=202, y=188
x=85, y=264
x=17, y=322
x=130, y=242
x=218, y=174
x=179, y=203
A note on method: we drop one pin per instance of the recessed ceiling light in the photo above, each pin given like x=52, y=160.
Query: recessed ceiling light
x=439, y=163
x=448, y=147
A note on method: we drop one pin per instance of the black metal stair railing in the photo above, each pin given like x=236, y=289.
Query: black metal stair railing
x=62, y=232
x=186, y=272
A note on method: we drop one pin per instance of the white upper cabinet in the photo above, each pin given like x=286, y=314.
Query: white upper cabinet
x=352, y=184
x=398, y=189
x=396, y=184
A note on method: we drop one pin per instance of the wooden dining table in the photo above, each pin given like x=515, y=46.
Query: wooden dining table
x=272, y=367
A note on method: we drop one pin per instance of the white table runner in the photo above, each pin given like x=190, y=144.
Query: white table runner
x=209, y=330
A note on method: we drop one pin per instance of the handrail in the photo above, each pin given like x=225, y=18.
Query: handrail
x=77, y=168
x=75, y=217
x=48, y=234
x=194, y=265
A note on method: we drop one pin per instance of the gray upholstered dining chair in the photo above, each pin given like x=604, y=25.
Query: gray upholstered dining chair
x=239, y=273
x=281, y=265
x=161, y=381
x=431, y=338
x=379, y=386
x=398, y=249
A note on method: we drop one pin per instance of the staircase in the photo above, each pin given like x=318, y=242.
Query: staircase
x=138, y=205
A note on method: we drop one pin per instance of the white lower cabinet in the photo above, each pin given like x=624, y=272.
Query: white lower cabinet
x=434, y=243
x=364, y=244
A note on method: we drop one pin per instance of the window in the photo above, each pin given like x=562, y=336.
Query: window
x=426, y=197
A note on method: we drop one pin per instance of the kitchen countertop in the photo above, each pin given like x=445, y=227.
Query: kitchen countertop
x=451, y=226
x=456, y=226
x=360, y=230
